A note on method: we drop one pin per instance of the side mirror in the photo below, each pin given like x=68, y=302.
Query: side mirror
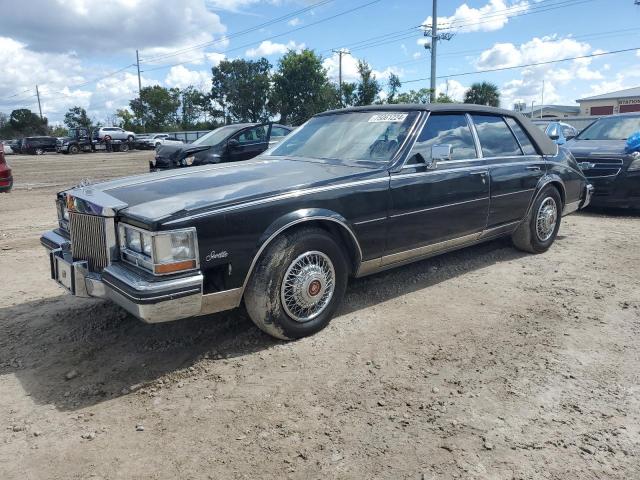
x=554, y=133
x=233, y=143
x=439, y=153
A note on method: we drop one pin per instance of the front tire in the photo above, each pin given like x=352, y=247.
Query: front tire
x=73, y=149
x=538, y=231
x=297, y=284
x=39, y=151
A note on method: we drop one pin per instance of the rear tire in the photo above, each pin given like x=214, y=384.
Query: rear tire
x=124, y=147
x=538, y=231
x=73, y=149
x=297, y=284
x=38, y=151
x=130, y=139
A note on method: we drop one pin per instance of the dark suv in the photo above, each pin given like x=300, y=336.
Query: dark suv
x=602, y=156
x=38, y=145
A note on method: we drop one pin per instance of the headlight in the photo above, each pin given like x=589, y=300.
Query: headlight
x=635, y=164
x=189, y=160
x=159, y=252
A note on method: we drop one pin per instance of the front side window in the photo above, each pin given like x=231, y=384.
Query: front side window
x=216, y=136
x=252, y=135
x=521, y=135
x=495, y=137
x=279, y=132
x=450, y=129
x=352, y=136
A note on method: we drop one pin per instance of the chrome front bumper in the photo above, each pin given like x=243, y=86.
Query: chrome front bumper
x=151, y=300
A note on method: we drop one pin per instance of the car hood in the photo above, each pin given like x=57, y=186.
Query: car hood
x=170, y=155
x=587, y=148
x=155, y=197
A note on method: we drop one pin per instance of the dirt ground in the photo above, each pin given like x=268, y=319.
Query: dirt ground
x=485, y=363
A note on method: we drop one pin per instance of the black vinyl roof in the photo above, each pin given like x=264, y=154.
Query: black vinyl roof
x=544, y=144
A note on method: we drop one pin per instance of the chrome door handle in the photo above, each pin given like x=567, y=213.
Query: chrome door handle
x=478, y=173
x=533, y=167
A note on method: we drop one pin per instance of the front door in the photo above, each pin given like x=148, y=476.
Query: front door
x=437, y=207
x=251, y=142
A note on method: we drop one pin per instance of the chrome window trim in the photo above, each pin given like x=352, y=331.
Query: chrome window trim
x=439, y=207
x=365, y=222
x=501, y=117
x=470, y=168
x=151, y=260
x=474, y=134
x=266, y=243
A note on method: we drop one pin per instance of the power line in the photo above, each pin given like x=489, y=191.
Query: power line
x=237, y=34
x=288, y=32
x=536, y=64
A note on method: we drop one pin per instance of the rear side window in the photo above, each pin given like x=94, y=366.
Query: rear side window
x=495, y=137
x=446, y=129
x=521, y=135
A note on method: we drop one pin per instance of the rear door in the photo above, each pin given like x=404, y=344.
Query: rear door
x=439, y=206
x=515, y=167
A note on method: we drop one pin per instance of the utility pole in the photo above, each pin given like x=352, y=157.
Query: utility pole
x=542, y=100
x=340, y=53
x=139, y=88
x=434, y=44
x=39, y=106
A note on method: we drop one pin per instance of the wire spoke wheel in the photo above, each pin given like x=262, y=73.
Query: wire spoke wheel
x=308, y=286
x=546, y=219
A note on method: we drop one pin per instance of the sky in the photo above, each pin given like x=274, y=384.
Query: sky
x=83, y=52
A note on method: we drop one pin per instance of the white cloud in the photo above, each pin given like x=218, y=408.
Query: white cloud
x=453, y=88
x=417, y=55
x=294, y=22
x=492, y=16
x=215, y=58
x=268, y=48
x=237, y=6
x=529, y=86
x=103, y=27
x=350, y=69
x=181, y=77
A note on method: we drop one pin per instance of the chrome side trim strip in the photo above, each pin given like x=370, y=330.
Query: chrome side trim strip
x=438, y=207
x=513, y=193
x=500, y=229
x=282, y=196
x=289, y=225
x=373, y=220
x=426, y=250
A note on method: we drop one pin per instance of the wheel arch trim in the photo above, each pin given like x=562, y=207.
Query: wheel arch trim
x=543, y=182
x=299, y=217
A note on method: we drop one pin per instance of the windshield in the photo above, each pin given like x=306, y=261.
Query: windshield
x=611, y=128
x=216, y=136
x=355, y=136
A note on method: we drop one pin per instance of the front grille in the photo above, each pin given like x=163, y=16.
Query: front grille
x=602, y=167
x=89, y=240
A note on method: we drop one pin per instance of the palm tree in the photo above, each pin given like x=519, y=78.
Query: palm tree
x=484, y=93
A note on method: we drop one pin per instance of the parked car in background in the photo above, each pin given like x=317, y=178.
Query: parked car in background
x=230, y=143
x=38, y=145
x=6, y=177
x=157, y=139
x=15, y=145
x=350, y=193
x=560, y=132
x=114, y=133
x=602, y=156
x=7, y=150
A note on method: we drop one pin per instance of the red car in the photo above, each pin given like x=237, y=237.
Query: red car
x=6, y=179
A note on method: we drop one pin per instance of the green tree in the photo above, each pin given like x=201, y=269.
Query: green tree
x=301, y=87
x=127, y=119
x=414, y=96
x=194, y=105
x=349, y=94
x=394, y=87
x=24, y=122
x=484, y=93
x=444, y=98
x=157, y=107
x=58, y=131
x=240, y=89
x=77, y=117
x=368, y=87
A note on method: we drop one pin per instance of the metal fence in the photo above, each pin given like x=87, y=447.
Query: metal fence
x=186, y=137
x=580, y=123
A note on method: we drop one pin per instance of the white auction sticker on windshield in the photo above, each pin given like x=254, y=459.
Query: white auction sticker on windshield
x=388, y=117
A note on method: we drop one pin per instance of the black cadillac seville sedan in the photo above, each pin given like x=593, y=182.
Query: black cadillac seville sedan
x=350, y=193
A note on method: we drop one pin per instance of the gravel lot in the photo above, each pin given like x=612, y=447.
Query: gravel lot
x=484, y=363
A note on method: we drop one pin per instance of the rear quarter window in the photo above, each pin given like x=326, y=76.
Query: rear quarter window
x=495, y=136
x=525, y=142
